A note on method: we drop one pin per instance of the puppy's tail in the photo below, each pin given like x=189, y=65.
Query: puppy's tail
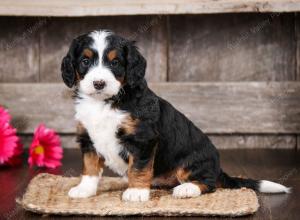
x=263, y=186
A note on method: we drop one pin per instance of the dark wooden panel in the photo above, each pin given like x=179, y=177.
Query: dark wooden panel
x=231, y=47
x=149, y=31
x=254, y=141
x=19, y=45
x=279, y=165
x=217, y=108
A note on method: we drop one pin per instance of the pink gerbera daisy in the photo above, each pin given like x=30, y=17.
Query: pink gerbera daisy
x=10, y=145
x=45, y=149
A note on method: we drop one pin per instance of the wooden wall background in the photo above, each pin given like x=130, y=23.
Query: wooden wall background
x=235, y=75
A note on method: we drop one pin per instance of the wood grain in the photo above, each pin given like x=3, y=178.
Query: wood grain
x=297, y=39
x=217, y=108
x=31, y=104
x=19, y=49
x=235, y=47
x=220, y=141
x=242, y=107
x=148, y=31
x=254, y=141
x=133, y=7
x=67, y=141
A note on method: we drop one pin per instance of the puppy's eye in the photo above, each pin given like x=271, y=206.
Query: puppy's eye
x=85, y=62
x=114, y=63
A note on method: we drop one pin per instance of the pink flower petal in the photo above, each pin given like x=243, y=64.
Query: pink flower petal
x=10, y=146
x=45, y=149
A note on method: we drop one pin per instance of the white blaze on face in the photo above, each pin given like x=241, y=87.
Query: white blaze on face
x=99, y=71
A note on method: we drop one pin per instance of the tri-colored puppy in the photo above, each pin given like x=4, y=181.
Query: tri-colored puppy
x=127, y=127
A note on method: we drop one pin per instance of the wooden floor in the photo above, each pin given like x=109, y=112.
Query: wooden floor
x=278, y=165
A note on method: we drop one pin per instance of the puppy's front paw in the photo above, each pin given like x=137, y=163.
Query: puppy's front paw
x=136, y=195
x=81, y=192
x=186, y=190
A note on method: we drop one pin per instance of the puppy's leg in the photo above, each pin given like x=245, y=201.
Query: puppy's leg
x=140, y=173
x=92, y=172
x=193, y=183
x=140, y=139
x=92, y=169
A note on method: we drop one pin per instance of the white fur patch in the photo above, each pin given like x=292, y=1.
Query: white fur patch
x=186, y=190
x=99, y=72
x=266, y=186
x=86, y=188
x=97, y=116
x=101, y=122
x=136, y=195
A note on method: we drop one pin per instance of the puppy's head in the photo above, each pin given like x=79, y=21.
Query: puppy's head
x=100, y=63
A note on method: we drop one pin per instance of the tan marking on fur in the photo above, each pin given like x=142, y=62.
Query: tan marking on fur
x=182, y=175
x=78, y=78
x=203, y=187
x=80, y=129
x=92, y=164
x=140, y=178
x=129, y=125
x=112, y=55
x=88, y=53
x=218, y=184
x=121, y=80
x=168, y=180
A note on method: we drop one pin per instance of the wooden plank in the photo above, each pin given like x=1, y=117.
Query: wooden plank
x=242, y=107
x=134, y=7
x=217, y=108
x=148, y=31
x=254, y=141
x=232, y=47
x=297, y=39
x=220, y=141
x=19, y=49
x=67, y=141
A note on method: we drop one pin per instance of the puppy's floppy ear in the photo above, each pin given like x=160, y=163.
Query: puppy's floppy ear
x=67, y=66
x=68, y=71
x=136, y=65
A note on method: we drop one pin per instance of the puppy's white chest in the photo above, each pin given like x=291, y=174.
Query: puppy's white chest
x=101, y=122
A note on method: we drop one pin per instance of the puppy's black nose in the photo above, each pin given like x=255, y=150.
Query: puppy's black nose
x=99, y=84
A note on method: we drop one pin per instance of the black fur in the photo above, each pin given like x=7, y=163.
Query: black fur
x=68, y=73
x=236, y=182
x=136, y=65
x=162, y=131
x=70, y=63
x=85, y=142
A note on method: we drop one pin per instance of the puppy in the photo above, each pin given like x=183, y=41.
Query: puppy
x=125, y=126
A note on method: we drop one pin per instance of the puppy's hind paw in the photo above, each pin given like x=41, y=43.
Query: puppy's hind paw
x=186, y=190
x=136, y=195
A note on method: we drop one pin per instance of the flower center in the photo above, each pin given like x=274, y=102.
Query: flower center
x=39, y=150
